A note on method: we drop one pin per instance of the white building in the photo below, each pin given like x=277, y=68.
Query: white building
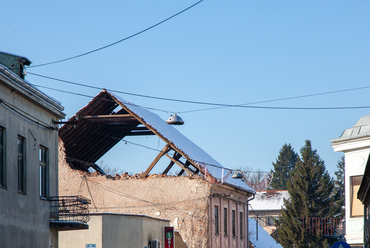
x=355, y=143
x=266, y=208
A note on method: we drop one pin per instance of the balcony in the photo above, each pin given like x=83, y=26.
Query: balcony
x=69, y=212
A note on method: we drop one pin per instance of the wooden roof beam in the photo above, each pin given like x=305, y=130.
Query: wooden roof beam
x=164, y=151
x=111, y=118
x=187, y=164
x=179, y=163
x=141, y=133
x=176, y=156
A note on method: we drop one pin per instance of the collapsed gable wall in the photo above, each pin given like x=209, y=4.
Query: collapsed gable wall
x=182, y=200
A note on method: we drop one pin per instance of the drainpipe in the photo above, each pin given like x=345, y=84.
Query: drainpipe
x=365, y=227
x=248, y=218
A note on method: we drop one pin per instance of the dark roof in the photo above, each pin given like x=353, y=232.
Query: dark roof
x=95, y=129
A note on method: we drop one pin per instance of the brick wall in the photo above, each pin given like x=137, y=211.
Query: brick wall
x=182, y=200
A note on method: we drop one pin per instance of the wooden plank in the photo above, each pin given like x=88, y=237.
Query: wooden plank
x=179, y=163
x=165, y=149
x=107, y=116
x=176, y=156
x=140, y=133
x=110, y=118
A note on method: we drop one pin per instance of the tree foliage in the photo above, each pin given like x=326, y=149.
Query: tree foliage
x=252, y=176
x=283, y=166
x=310, y=189
x=338, y=197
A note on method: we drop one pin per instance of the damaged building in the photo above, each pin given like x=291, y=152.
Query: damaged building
x=203, y=201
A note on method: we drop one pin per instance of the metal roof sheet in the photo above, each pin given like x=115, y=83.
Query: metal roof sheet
x=87, y=141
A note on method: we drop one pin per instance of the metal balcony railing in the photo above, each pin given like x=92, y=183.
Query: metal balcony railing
x=69, y=209
x=324, y=226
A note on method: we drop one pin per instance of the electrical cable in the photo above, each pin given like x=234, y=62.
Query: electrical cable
x=160, y=205
x=108, y=100
x=256, y=216
x=88, y=188
x=121, y=40
x=223, y=105
x=13, y=109
x=158, y=150
x=285, y=98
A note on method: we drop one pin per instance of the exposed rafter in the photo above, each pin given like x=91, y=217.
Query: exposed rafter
x=165, y=149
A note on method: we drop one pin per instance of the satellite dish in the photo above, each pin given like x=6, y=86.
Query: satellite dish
x=175, y=120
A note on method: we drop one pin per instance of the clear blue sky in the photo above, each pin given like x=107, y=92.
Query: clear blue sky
x=231, y=52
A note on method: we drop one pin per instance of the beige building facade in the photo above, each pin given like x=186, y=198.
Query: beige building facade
x=205, y=214
x=28, y=159
x=108, y=230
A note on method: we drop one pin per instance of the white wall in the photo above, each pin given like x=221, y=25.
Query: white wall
x=356, y=151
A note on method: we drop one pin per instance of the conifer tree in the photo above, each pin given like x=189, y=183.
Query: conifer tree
x=283, y=166
x=338, y=197
x=310, y=190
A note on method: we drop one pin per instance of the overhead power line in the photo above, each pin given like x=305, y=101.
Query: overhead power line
x=121, y=40
x=217, y=105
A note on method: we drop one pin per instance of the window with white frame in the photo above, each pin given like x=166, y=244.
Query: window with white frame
x=357, y=209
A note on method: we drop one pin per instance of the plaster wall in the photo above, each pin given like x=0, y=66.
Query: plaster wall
x=356, y=153
x=355, y=165
x=235, y=201
x=79, y=238
x=184, y=200
x=25, y=216
x=107, y=230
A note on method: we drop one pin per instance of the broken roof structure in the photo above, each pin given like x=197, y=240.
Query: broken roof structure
x=97, y=127
x=14, y=63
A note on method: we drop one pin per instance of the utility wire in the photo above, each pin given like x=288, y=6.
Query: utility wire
x=221, y=105
x=25, y=116
x=103, y=99
x=285, y=98
x=158, y=150
x=119, y=41
x=158, y=204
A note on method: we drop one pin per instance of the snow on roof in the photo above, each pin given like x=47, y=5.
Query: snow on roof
x=184, y=144
x=269, y=200
x=263, y=239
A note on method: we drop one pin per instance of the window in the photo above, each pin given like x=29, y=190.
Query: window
x=241, y=225
x=270, y=221
x=2, y=158
x=233, y=222
x=357, y=208
x=21, y=165
x=44, y=172
x=225, y=221
x=216, y=220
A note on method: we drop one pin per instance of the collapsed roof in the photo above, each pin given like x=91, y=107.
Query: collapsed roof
x=96, y=128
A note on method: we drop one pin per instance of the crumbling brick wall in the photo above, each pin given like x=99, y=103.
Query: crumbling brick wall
x=183, y=200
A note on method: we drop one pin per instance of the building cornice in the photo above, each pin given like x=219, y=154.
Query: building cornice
x=12, y=81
